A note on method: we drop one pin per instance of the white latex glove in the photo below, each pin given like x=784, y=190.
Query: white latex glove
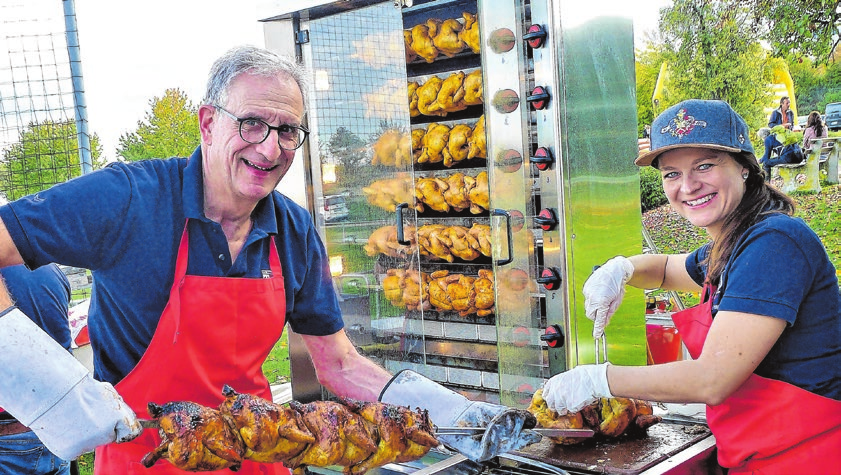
x=604, y=291
x=572, y=390
x=507, y=428
x=48, y=390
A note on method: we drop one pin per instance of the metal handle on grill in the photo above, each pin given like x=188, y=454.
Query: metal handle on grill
x=399, y=215
x=502, y=212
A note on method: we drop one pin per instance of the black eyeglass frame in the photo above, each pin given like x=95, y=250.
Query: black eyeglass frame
x=269, y=129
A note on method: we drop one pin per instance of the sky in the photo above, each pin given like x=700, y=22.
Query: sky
x=134, y=51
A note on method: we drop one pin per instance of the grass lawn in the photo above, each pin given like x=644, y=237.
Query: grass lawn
x=821, y=211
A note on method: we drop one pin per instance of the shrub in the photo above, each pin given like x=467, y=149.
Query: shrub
x=651, y=189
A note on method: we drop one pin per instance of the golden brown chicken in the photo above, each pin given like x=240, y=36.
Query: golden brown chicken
x=456, y=194
x=271, y=433
x=416, y=291
x=431, y=242
x=404, y=434
x=451, y=94
x=461, y=243
x=341, y=436
x=422, y=43
x=417, y=143
x=457, y=144
x=412, y=90
x=410, y=52
x=384, y=241
x=482, y=233
x=470, y=33
x=480, y=194
x=428, y=97
x=434, y=142
x=195, y=438
x=462, y=295
x=438, y=296
x=477, y=142
x=429, y=192
x=608, y=417
x=549, y=419
x=483, y=287
x=445, y=37
x=473, y=88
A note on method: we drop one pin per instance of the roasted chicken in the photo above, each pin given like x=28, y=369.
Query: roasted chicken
x=393, y=149
x=434, y=142
x=470, y=33
x=483, y=287
x=477, y=143
x=429, y=192
x=358, y=436
x=410, y=52
x=441, y=291
x=428, y=97
x=608, y=417
x=445, y=36
x=456, y=194
x=195, y=438
x=473, y=88
x=457, y=144
x=422, y=43
x=480, y=193
x=412, y=90
x=451, y=95
x=389, y=192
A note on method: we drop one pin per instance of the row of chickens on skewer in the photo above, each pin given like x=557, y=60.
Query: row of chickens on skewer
x=454, y=192
x=438, y=143
x=352, y=434
x=439, y=97
x=449, y=37
x=441, y=291
x=436, y=241
x=609, y=417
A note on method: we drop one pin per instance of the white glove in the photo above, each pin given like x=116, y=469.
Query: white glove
x=604, y=291
x=507, y=428
x=48, y=390
x=577, y=388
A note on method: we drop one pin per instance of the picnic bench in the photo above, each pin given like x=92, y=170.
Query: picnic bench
x=821, y=163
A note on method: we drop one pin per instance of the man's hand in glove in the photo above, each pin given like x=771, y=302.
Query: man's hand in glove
x=604, y=290
x=573, y=390
x=50, y=392
x=507, y=428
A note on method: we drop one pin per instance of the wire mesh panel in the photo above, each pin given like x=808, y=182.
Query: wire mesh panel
x=38, y=129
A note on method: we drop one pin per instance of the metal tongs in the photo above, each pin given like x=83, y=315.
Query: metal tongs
x=544, y=432
x=603, y=343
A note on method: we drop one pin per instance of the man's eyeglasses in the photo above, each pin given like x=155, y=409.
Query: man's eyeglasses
x=254, y=131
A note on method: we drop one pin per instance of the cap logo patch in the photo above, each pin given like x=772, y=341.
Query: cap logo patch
x=741, y=139
x=682, y=124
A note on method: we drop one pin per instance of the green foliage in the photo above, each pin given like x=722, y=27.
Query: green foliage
x=713, y=53
x=798, y=28
x=170, y=129
x=647, y=69
x=45, y=154
x=785, y=136
x=348, y=151
x=651, y=189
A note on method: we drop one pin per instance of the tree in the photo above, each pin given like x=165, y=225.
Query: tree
x=45, y=154
x=713, y=52
x=797, y=28
x=647, y=70
x=170, y=129
x=348, y=150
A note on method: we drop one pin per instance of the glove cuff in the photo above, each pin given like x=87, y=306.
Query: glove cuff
x=408, y=388
x=627, y=268
x=598, y=375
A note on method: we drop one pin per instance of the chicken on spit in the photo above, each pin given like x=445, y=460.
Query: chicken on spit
x=470, y=33
x=412, y=90
x=445, y=36
x=473, y=88
x=478, y=141
x=410, y=52
x=195, y=438
x=428, y=97
x=434, y=142
x=422, y=43
x=451, y=94
x=458, y=145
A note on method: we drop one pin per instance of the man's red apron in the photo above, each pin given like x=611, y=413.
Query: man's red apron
x=213, y=331
x=766, y=426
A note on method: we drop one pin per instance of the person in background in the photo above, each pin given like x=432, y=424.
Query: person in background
x=782, y=115
x=776, y=153
x=761, y=348
x=646, y=131
x=815, y=129
x=198, y=264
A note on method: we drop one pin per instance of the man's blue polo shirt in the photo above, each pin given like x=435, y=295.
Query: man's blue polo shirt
x=124, y=223
x=779, y=268
x=43, y=295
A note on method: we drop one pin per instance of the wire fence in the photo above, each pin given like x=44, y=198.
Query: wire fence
x=40, y=126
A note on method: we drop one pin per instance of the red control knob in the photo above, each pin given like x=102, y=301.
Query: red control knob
x=553, y=336
x=550, y=278
x=539, y=98
x=547, y=219
x=535, y=36
x=542, y=158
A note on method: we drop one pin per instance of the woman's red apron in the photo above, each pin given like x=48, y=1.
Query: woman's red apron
x=766, y=426
x=213, y=331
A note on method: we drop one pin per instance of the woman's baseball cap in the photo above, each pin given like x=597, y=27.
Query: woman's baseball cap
x=699, y=124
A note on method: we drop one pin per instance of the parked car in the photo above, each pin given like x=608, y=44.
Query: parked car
x=334, y=208
x=833, y=116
